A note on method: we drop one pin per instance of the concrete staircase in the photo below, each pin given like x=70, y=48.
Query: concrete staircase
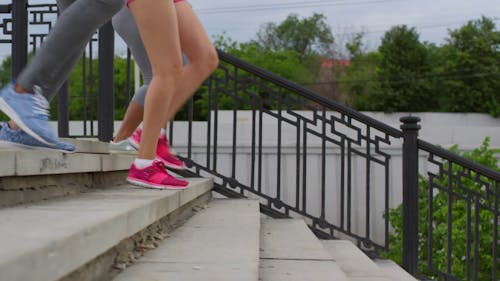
x=72, y=217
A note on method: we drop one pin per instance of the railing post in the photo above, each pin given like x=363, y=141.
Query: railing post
x=410, y=129
x=106, y=82
x=19, y=46
x=63, y=111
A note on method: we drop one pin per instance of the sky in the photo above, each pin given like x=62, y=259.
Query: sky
x=241, y=19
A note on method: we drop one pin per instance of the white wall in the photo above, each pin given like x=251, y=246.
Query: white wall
x=466, y=130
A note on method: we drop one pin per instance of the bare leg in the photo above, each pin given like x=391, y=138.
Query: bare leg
x=157, y=24
x=203, y=60
x=201, y=54
x=131, y=120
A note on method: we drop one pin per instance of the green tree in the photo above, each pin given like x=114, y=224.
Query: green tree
x=471, y=69
x=307, y=36
x=472, y=205
x=6, y=71
x=358, y=81
x=403, y=73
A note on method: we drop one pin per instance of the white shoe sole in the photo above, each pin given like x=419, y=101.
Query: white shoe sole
x=161, y=187
x=8, y=144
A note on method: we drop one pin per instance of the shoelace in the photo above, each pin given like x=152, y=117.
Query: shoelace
x=41, y=103
x=160, y=166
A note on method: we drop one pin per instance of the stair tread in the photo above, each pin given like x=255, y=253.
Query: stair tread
x=45, y=236
x=290, y=251
x=220, y=242
x=352, y=260
x=394, y=271
x=27, y=162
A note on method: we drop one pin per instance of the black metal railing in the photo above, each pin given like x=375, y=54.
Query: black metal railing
x=469, y=194
x=305, y=122
x=26, y=25
x=259, y=135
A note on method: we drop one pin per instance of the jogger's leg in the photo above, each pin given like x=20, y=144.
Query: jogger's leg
x=52, y=63
x=157, y=24
x=201, y=54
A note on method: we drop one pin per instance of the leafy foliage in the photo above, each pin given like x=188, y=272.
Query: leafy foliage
x=307, y=36
x=472, y=57
x=460, y=76
x=470, y=199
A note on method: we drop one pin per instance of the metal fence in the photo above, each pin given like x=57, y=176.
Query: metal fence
x=361, y=167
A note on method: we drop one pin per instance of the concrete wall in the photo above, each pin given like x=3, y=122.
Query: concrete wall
x=466, y=130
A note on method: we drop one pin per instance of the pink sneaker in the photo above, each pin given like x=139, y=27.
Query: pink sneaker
x=154, y=176
x=163, y=152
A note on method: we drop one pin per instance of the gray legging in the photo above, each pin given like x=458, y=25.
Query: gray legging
x=62, y=48
x=125, y=26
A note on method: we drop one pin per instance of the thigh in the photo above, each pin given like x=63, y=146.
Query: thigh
x=157, y=24
x=193, y=37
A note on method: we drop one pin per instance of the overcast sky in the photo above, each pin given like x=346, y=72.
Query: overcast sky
x=241, y=19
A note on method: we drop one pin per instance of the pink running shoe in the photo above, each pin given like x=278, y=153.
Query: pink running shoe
x=154, y=176
x=163, y=152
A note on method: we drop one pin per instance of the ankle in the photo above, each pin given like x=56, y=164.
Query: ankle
x=143, y=163
x=20, y=90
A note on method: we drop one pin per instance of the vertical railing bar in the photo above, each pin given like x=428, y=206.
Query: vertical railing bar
x=387, y=190
x=209, y=119
x=342, y=184
x=323, y=166
x=254, y=143
x=127, y=81
x=496, y=241
x=216, y=129
x=349, y=185
x=63, y=111
x=430, y=223
x=476, y=237
x=84, y=99
x=368, y=187
x=19, y=45
x=259, y=158
x=106, y=97
x=235, y=124
x=171, y=131
x=90, y=106
x=467, y=237
x=190, y=127
x=278, y=156
x=449, y=219
x=304, y=168
x=297, y=167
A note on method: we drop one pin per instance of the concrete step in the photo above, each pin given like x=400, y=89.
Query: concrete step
x=356, y=265
x=219, y=243
x=49, y=240
x=394, y=271
x=25, y=162
x=34, y=175
x=291, y=252
x=89, y=146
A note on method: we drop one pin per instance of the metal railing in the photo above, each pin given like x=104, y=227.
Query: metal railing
x=354, y=165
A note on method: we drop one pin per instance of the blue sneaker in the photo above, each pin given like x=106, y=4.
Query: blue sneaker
x=18, y=138
x=30, y=112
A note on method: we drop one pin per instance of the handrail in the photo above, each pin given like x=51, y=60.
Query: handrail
x=453, y=157
x=304, y=92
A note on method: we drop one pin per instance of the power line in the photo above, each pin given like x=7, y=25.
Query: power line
x=293, y=5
